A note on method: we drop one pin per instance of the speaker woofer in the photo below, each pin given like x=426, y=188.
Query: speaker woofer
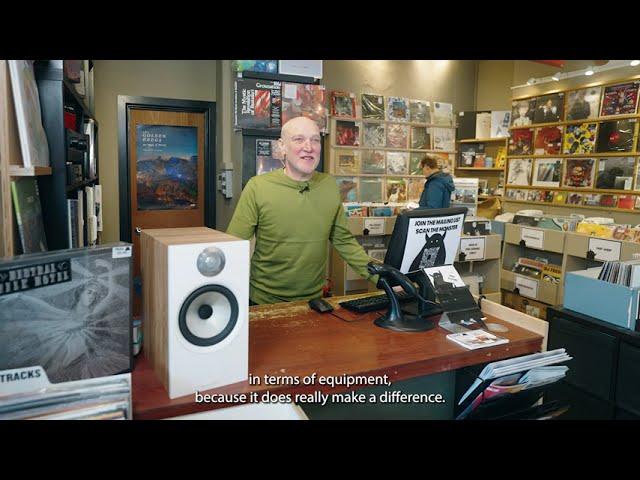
x=208, y=315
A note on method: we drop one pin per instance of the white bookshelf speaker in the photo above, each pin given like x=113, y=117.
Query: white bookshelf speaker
x=196, y=307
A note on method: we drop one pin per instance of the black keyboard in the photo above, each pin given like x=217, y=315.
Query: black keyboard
x=376, y=302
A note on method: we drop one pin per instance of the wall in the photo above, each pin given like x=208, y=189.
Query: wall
x=451, y=81
x=183, y=79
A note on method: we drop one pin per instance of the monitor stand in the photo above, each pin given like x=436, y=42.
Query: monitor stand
x=395, y=319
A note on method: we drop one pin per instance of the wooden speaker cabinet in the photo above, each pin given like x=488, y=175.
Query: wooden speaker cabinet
x=196, y=307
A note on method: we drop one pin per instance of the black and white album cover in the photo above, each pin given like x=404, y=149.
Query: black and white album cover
x=68, y=312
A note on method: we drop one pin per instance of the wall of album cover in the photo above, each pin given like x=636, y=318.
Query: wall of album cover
x=181, y=79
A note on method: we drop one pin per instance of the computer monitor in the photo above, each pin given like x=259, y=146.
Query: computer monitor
x=425, y=237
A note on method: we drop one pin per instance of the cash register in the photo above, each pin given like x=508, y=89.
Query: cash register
x=421, y=239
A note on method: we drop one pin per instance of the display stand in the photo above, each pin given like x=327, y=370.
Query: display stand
x=523, y=293
x=481, y=261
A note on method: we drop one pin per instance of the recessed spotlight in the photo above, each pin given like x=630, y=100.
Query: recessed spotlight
x=635, y=63
x=556, y=76
x=531, y=81
x=589, y=71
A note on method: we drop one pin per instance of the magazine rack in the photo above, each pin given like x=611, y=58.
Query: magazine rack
x=526, y=404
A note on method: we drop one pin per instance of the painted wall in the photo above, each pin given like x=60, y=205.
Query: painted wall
x=179, y=79
x=451, y=81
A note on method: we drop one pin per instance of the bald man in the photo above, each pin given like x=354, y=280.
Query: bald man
x=293, y=212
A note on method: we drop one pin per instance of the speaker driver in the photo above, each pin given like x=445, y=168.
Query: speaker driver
x=208, y=315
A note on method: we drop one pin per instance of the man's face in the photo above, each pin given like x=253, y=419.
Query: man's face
x=301, y=145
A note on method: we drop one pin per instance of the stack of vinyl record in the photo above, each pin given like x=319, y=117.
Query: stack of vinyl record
x=106, y=398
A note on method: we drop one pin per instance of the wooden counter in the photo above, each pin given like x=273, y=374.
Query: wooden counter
x=293, y=340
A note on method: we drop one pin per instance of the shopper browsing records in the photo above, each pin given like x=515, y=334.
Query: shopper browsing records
x=293, y=212
x=438, y=187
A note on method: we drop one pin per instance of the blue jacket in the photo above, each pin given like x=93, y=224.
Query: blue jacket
x=437, y=191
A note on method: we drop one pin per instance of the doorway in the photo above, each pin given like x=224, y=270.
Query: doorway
x=166, y=150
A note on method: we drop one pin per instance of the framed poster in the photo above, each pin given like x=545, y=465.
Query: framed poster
x=166, y=167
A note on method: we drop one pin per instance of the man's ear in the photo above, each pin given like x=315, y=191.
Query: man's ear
x=281, y=144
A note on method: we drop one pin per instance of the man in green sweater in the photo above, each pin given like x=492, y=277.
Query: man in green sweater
x=293, y=212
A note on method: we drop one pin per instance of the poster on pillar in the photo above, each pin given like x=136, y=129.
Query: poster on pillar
x=432, y=242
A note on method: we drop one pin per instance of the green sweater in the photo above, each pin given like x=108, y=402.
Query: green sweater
x=292, y=228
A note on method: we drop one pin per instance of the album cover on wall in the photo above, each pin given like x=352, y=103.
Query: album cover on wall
x=609, y=201
x=522, y=112
x=443, y=139
x=304, y=100
x=516, y=194
x=584, y=103
x=374, y=135
x=591, y=199
x=579, y=139
x=626, y=202
x=398, y=109
x=534, y=196
x=348, y=187
x=420, y=138
x=370, y=189
x=616, y=173
x=269, y=155
x=70, y=312
x=620, y=99
x=579, y=172
x=373, y=162
x=519, y=171
x=372, y=106
x=397, y=163
x=442, y=114
x=560, y=197
x=521, y=142
x=544, y=196
x=397, y=136
x=445, y=161
x=549, y=108
x=396, y=190
x=343, y=104
x=258, y=103
x=414, y=163
x=574, y=198
x=548, y=141
x=616, y=135
x=347, y=133
x=415, y=186
x=347, y=162
x=547, y=172
x=419, y=111
x=500, y=121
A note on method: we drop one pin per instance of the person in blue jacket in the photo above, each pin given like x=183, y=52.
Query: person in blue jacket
x=438, y=187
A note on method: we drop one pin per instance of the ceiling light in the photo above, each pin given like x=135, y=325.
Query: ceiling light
x=635, y=63
x=589, y=71
x=531, y=81
x=556, y=76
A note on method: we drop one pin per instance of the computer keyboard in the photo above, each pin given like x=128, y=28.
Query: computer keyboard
x=376, y=302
